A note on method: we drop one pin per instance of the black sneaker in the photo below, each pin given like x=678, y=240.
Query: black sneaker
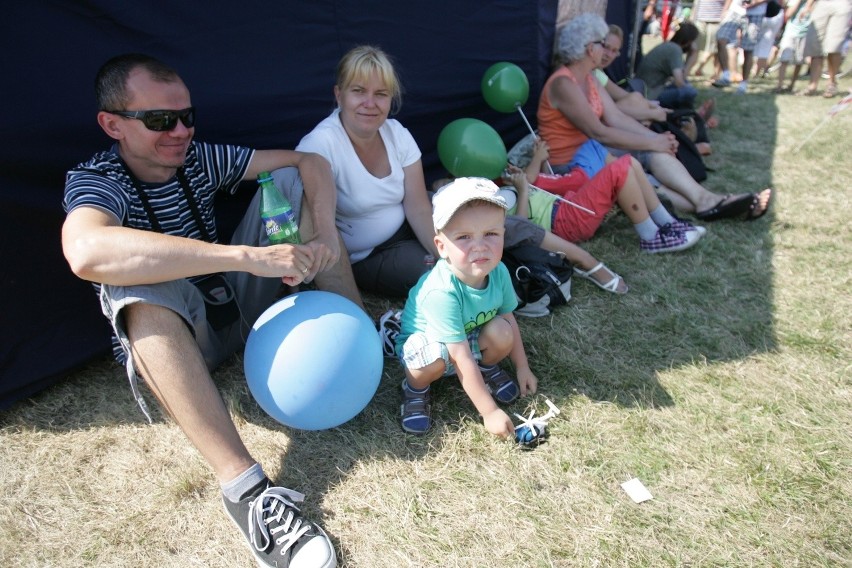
x=501, y=385
x=278, y=535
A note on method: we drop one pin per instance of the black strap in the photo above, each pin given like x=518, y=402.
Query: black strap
x=193, y=206
x=190, y=198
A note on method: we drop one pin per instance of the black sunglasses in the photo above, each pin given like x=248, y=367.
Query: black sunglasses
x=160, y=120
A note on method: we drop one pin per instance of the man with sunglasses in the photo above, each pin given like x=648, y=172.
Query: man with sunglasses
x=140, y=225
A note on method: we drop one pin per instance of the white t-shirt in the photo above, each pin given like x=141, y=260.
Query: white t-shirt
x=737, y=8
x=369, y=209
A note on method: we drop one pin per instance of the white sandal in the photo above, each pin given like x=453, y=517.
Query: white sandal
x=611, y=286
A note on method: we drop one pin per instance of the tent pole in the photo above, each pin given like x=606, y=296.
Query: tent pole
x=637, y=39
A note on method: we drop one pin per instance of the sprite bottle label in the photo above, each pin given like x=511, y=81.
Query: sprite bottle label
x=280, y=226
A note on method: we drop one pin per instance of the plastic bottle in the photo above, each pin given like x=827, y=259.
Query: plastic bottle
x=276, y=214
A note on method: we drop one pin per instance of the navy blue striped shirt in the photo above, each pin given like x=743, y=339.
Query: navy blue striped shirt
x=104, y=182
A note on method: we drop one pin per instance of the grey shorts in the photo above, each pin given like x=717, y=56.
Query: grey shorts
x=522, y=231
x=252, y=295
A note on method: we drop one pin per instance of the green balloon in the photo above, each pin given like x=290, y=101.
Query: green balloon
x=470, y=147
x=505, y=87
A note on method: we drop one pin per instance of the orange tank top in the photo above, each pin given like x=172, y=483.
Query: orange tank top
x=560, y=134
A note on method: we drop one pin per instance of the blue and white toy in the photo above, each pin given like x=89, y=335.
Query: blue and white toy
x=533, y=431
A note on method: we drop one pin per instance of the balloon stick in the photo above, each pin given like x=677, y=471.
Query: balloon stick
x=530, y=128
x=580, y=207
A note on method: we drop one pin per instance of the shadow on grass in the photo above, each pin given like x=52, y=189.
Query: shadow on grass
x=708, y=305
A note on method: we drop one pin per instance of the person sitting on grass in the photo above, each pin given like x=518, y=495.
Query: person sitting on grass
x=582, y=124
x=621, y=182
x=632, y=103
x=458, y=317
x=662, y=70
x=141, y=225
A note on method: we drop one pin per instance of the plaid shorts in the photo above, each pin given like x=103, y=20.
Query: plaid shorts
x=749, y=25
x=419, y=351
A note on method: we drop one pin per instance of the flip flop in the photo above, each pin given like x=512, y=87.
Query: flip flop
x=733, y=208
x=755, y=203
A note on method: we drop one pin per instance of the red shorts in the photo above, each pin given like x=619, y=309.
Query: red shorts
x=598, y=194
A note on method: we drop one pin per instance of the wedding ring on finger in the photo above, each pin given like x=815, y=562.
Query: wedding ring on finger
x=304, y=271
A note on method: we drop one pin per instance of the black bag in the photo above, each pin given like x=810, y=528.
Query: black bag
x=687, y=152
x=219, y=300
x=542, y=279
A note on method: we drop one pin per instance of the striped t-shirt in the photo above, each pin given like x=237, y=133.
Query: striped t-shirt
x=709, y=10
x=104, y=182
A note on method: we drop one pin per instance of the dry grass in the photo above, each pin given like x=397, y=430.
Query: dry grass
x=722, y=381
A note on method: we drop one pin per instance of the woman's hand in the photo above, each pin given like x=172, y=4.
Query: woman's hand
x=666, y=143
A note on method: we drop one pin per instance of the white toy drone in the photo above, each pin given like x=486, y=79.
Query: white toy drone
x=533, y=431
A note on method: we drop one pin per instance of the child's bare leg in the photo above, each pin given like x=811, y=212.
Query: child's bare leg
x=580, y=258
x=496, y=340
x=633, y=198
x=797, y=70
x=421, y=378
x=782, y=71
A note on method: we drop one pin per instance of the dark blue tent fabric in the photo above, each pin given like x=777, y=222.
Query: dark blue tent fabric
x=260, y=74
x=623, y=14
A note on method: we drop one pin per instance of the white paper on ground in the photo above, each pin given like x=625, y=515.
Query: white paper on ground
x=636, y=490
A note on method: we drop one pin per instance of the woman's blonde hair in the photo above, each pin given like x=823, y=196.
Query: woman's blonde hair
x=616, y=31
x=363, y=61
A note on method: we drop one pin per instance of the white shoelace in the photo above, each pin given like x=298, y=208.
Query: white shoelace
x=276, y=505
x=389, y=327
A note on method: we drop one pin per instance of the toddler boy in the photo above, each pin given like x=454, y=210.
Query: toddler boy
x=458, y=317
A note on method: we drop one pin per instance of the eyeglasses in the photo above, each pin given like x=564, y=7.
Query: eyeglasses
x=160, y=120
x=600, y=42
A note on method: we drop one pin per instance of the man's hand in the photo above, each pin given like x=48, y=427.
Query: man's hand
x=291, y=263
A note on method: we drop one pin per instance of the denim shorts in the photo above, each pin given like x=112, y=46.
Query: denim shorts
x=591, y=157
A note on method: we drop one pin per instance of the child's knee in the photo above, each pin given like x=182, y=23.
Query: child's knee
x=497, y=335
